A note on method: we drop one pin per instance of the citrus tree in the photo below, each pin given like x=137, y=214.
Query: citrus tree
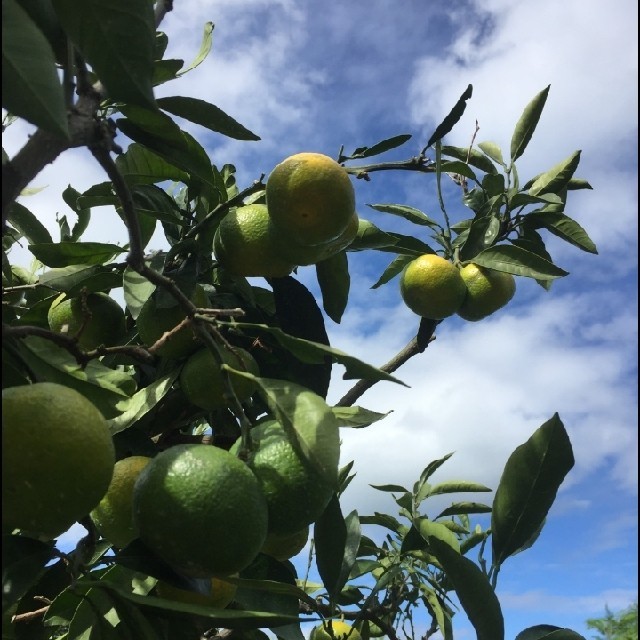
x=188, y=429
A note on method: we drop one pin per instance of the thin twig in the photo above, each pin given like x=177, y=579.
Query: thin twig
x=417, y=163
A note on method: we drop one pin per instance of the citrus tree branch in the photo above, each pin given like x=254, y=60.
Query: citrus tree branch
x=417, y=163
x=415, y=346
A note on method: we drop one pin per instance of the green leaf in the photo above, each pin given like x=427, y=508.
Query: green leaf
x=30, y=85
x=166, y=70
x=432, y=467
x=493, y=184
x=23, y=562
x=431, y=530
x=470, y=156
x=407, y=245
x=563, y=227
x=382, y=520
x=557, y=178
x=389, y=488
x=463, y=508
x=379, y=147
x=457, y=168
x=141, y=165
x=527, y=123
x=577, y=183
x=334, y=280
x=72, y=198
x=65, y=254
x=357, y=417
x=140, y=403
x=117, y=38
x=314, y=352
x=493, y=151
x=205, y=48
x=207, y=115
x=408, y=213
x=528, y=487
x=395, y=268
x=548, y=632
x=157, y=203
x=473, y=590
x=336, y=540
x=137, y=290
x=370, y=237
x=452, y=118
x=74, y=278
x=27, y=224
x=480, y=235
x=519, y=262
x=522, y=199
x=460, y=486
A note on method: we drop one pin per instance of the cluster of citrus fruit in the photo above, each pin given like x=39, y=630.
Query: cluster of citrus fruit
x=435, y=288
x=308, y=217
x=202, y=509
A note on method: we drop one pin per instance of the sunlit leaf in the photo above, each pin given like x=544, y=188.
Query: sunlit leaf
x=493, y=151
x=404, y=211
x=519, y=262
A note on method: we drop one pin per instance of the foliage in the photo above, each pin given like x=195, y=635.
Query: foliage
x=622, y=625
x=113, y=53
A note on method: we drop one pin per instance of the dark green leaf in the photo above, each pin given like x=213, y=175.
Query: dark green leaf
x=72, y=198
x=207, y=115
x=473, y=590
x=334, y=280
x=413, y=541
x=395, y=268
x=457, y=168
x=27, y=224
x=357, y=417
x=557, y=178
x=548, y=632
x=452, y=118
x=30, y=85
x=383, y=520
x=522, y=199
x=391, y=488
x=407, y=245
x=492, y=150
x=479, y=236
x=493, y=184
x=370, y=237
x=165, y=70
x=23, y=562
x=141, y=165
x=404, y=211
x=153, y=201
x=527, y=123
x=117, y=38
x=74, y=278
x=470, y=156
x=564, y=227
x=65, y=254
x=519, y=262
x=432, y=467
x=528, y=487
x=379, y=147
x=462, y=508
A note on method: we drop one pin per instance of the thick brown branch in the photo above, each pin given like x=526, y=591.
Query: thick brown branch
x=415, y=346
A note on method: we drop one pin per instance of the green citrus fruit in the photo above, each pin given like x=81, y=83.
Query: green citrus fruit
x=113, y=516
x=487, y=291
x=200, y=509
x=57, y=458
x=105, y=323
x=304, y=255
x=310, y=198
x=339, y=631
x=154, y=321
x=285, y=546
x=221, y=594
x=202, y=381
x=245, y=243
x=432, y=287
x=297, y=492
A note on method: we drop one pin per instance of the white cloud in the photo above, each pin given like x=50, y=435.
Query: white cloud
x=547, y=603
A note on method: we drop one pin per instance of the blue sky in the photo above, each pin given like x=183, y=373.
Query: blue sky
x=311, y=76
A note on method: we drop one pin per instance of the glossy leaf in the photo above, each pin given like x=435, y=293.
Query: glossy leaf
x=334, y=280
x=527, y=124
x=27, y=224
x=563, y=227
x=557, y=178
x=207, y=115
x=493, y=151
x=65, y=254
x=141, y=165
x=155, y=202
x=370, y=237
x=548, y=632
x=470, y=156
x=528, y=487
x=357, y=417
x=407, y=245
x=431, y=530
x=519, y=262
x=408, y=213
x=336, y=540
x=30, y=85
x=379, y=147
x=452, y=118
x=395, y=268
x=473, y=590
x=117, y=38
x=74, y=278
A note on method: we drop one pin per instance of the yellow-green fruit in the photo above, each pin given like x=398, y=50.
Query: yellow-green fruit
x=303, y=255
x=154, y=321
x=200, y=509
x=339, y=631
x=202, y=381
x=245, y=244
x=296, y=492
x=285, y=546
x=105, y=323
x=113, y=517
x=221, y=594
x=57, y=458
x=432, y=287
x=310, y=198
x=487, y=291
